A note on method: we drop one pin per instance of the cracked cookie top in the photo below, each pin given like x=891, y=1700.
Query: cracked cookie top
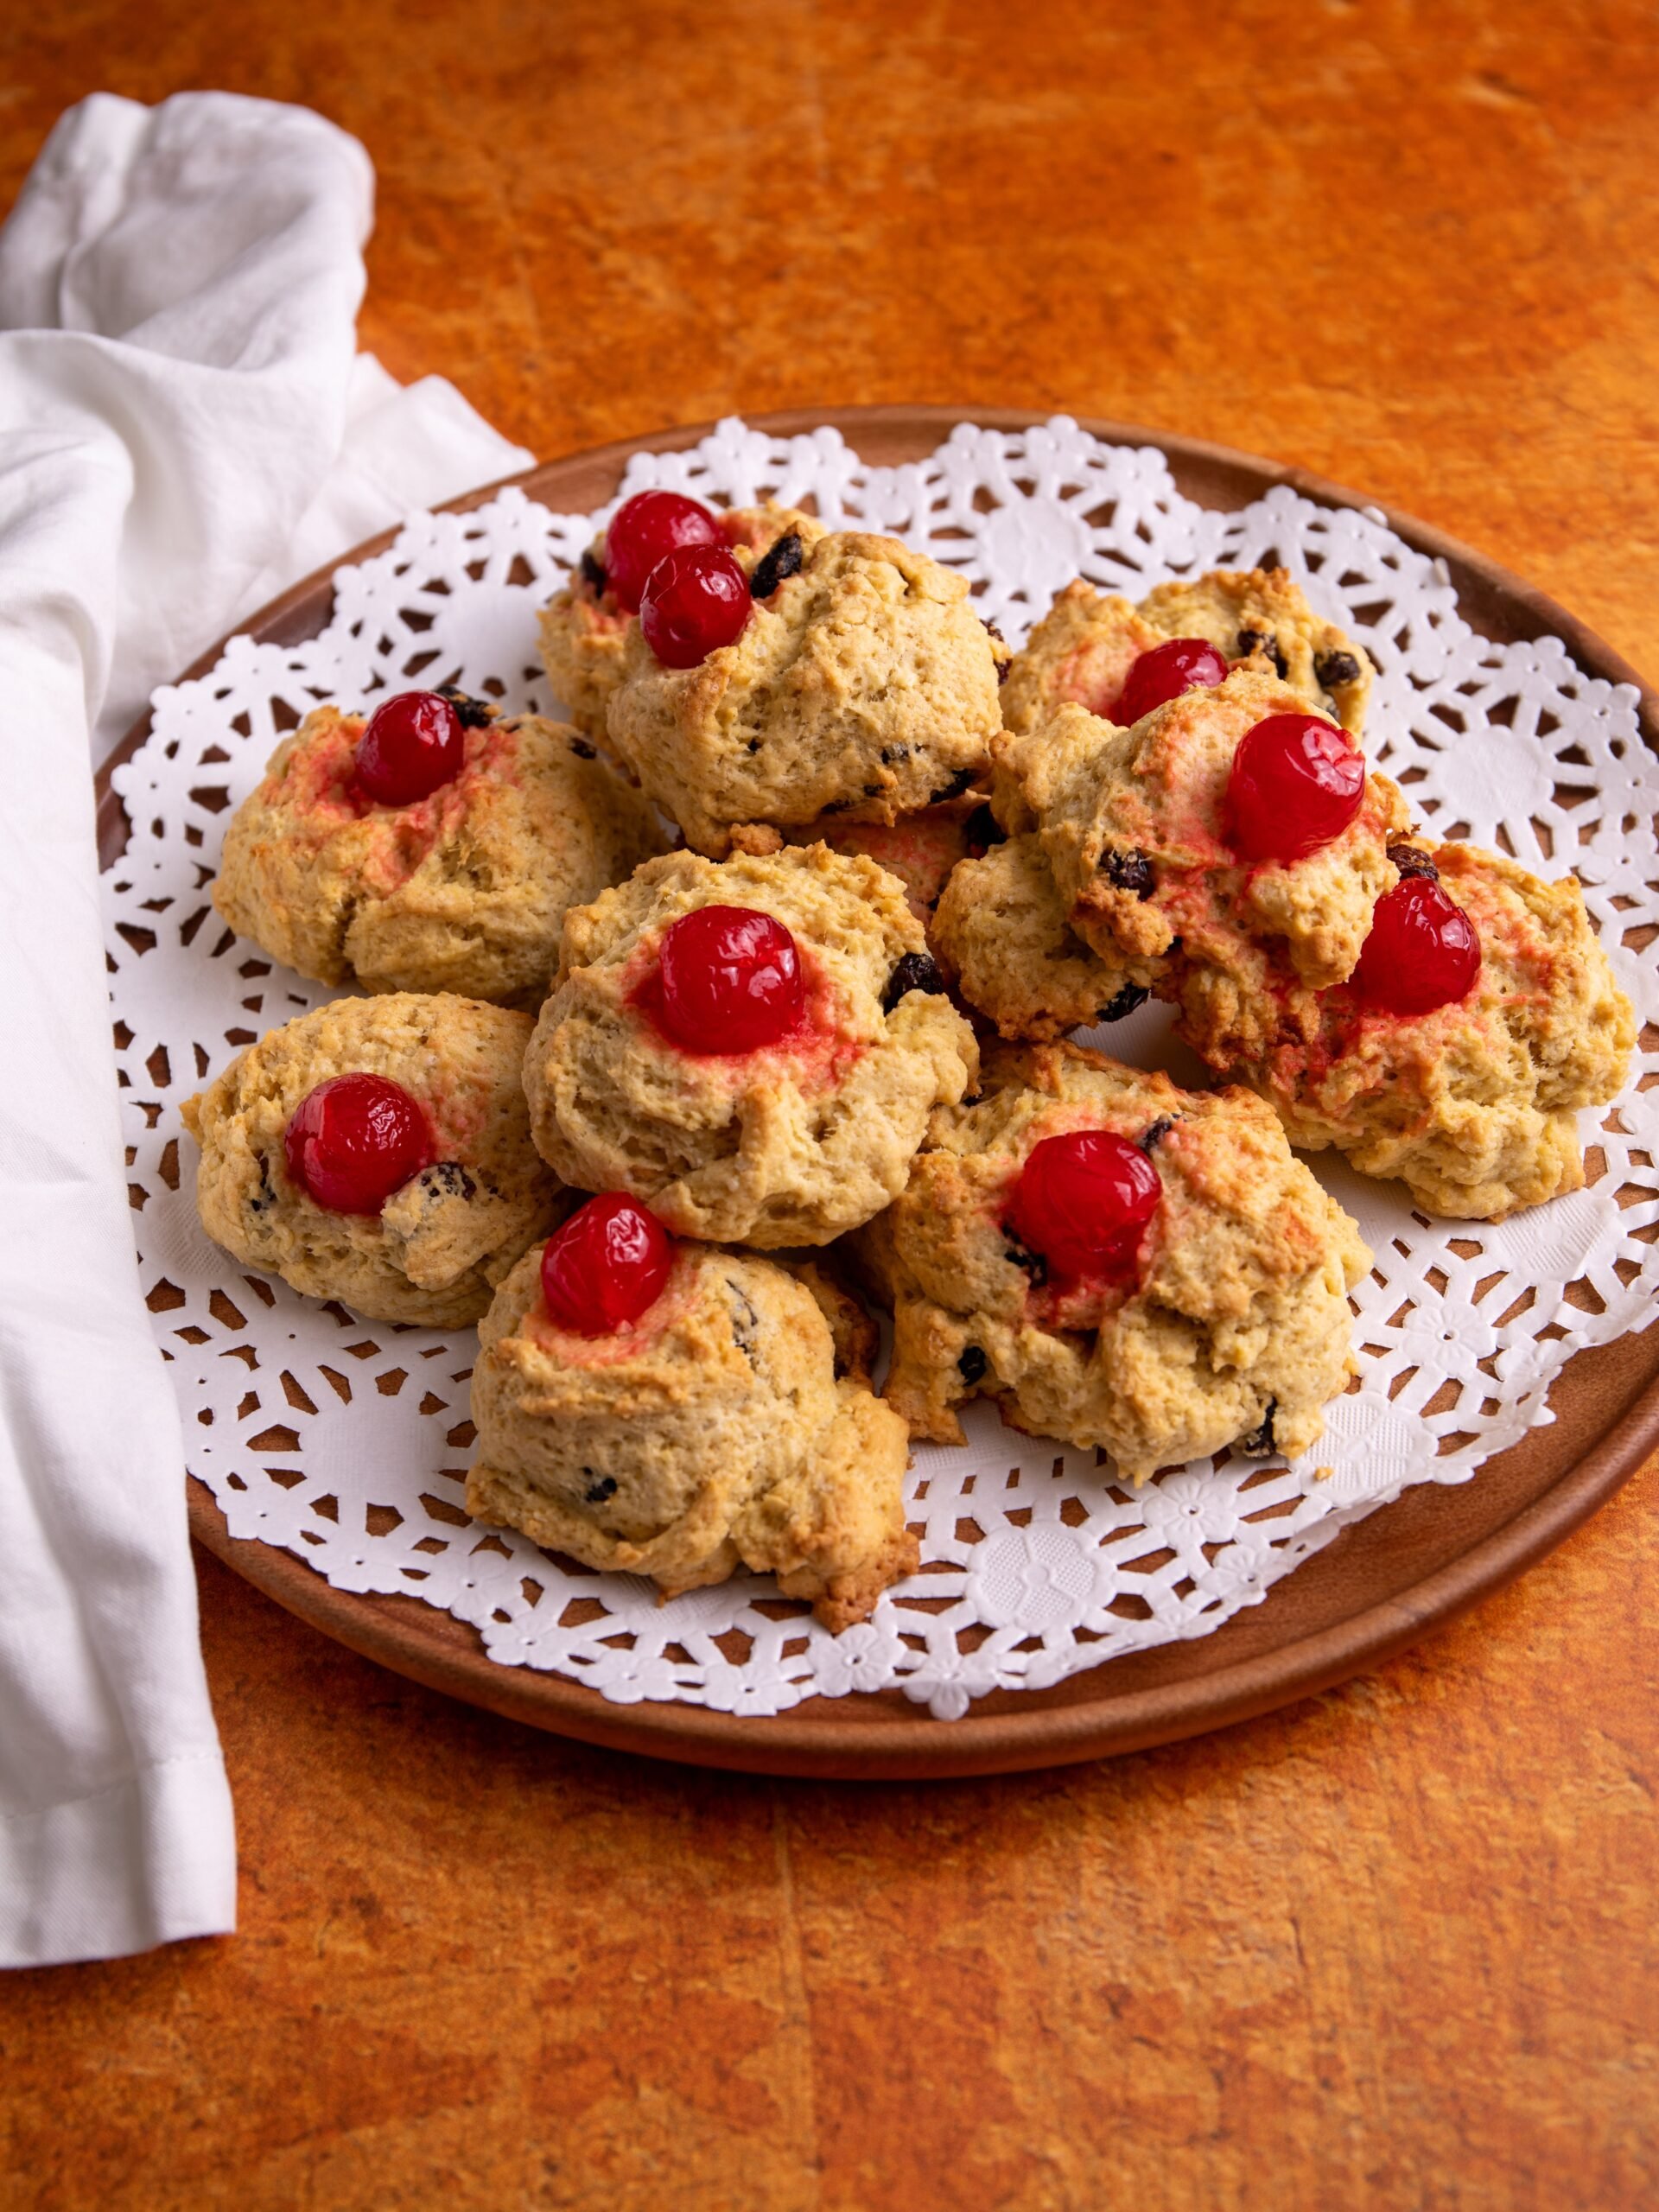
x=789, y=1141
x=434, y=1251
x=1084, y=647
x=1226, y=1323
x=462, y=891
x=866, y=685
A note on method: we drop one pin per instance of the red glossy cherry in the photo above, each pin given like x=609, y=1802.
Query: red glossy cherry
x=643, y=531
x=695, y=599
x=1083, y=1201
x=729, y=980
x=414, y=742
x=1164, y=672
x=355, y=1140
x=1296, y=783
x=1423, y=950
x=606, y=1266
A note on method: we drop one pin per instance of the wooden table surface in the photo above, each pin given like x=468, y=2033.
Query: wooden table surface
x=1394, y=1947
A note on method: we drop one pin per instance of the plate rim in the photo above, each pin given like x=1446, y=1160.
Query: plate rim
x=1034, y=1733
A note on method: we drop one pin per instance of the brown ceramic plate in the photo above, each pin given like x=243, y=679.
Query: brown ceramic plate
x=1379, y=1586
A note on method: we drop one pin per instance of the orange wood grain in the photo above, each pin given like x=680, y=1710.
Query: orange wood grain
x=1394, y=1947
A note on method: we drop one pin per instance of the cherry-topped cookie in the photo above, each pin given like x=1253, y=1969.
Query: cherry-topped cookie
x=860, y=682
x=1121, y=661
x=433, y=844
x=1116, y=1263
x=673, y=1409
x=1481, y=1016
x=1224, y=830
x=752, y=1047
x=378, y=1151
x=585, y=627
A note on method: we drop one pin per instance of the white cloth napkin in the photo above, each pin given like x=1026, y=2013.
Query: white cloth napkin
x=184, y=429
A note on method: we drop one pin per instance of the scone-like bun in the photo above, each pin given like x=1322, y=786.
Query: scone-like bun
x=866, y=684
x=790, y=1145
x=1235, y=1331
x=713, y=1433
x=1134, y=825
x=1474, y=1105
x=438, y=1247
x=462, y=892
x=1001, y=930
x=1084, y=647
x=583, y=628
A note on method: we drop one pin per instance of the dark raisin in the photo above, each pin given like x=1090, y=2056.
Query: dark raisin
x=449, y=1179
x=1159, y=1129
x=835, y=805
x=1128, y=870
x=1003, y=664
x=1003, y=670
x=1130, y=997
x=600, y=1489
x=754, y=745
x=1332, y=669
x=891, y=753
x=1249, y=639
x=1033, y=1263
x=972, y=1365
x=1259, y=1443
x=981, y=830
x=593, y=573
x=916, y=972
x=471, y=714
x=784, y=559
x=744, y=1322
x=1410, y=861
x=871, y=790
x=583, y=750
x=958, y=784
x=264, y=1195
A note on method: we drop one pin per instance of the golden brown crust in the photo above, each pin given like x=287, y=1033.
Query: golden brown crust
x=438, y=1247
x=866, y=684
x=463, y=892
x=790, y=1146
x=710, y=1435
x=1083, y=648
x=1240, y=1304
x=1474, y=1105
x=1000, y=932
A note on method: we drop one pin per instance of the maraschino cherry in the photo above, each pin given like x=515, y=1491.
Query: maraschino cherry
x=1422, y=951
x=643, y=531
x=355, y=1140
x=729, y=980
x=1164, y=672
x=414, y=742
x=606, y=1266
x=1082, y=1201
x=695, y=599
x=1296, y=783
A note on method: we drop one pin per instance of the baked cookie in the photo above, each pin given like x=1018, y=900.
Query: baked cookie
x=460, y=889
x=1085, y=646
x=1000, y=932
x=378, y=1151
x=584, y=626
x=1472, y=1100
x=920, y=848
x=1118, y=1262
x=752, y=1046
x=709, y=1430
x=865, y=685
x=1140, y=832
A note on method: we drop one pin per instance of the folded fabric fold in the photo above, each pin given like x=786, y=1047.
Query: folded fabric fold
x=184, y=429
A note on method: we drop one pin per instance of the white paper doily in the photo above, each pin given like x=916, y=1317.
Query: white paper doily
x=347, y=1442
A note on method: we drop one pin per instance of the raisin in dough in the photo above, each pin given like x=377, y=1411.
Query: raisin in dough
x=792, y=1145
x=438, y=1247
x=1084, y=647
x=462, y=892
x=711, y=1434
x=1238, y=1331
x=866, y=685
